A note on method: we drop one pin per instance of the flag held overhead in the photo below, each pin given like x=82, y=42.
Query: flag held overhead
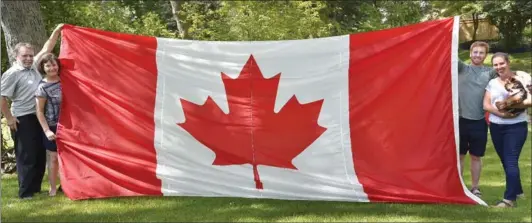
x=367, y=117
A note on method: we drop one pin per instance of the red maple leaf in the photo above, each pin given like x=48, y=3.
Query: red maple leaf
x=252, y=132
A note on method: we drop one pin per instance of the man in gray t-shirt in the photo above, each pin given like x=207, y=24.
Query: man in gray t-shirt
x=472, y=81
x=19, y=84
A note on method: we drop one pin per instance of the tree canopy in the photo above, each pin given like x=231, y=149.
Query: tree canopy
x=277, y=20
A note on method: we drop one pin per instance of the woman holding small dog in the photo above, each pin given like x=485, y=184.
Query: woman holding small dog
x=506, y=99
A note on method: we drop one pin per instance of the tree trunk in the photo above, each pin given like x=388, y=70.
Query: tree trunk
x=475, y=25
x=22, y=22
x=176, y=7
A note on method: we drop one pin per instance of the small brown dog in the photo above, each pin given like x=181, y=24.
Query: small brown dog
x=517, y=94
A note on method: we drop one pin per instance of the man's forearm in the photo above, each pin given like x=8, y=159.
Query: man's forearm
x=5, y=108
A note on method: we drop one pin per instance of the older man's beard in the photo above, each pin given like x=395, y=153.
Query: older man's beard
x=27, y=64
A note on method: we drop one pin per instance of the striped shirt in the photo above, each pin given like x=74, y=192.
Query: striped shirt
x=52, y=92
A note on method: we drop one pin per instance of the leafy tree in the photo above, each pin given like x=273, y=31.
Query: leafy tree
x=351, y=16
x=109, y=15
x=200, y=18
x=467, y=9
x=362, y=16
x=475, y=9
x=400, y=13
x=176, y=7
x=161, y=8
x=511, y=17
x=258, y=20
x=22, y=22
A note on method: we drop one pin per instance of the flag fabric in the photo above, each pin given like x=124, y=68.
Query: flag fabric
x=367, y=117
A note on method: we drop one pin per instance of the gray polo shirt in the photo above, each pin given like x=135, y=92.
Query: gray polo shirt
x=472, y=82
x=19, y=85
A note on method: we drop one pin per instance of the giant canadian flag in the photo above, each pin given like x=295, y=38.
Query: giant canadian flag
x=367, y=117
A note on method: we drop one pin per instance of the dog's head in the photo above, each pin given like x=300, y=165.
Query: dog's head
x=514, y=84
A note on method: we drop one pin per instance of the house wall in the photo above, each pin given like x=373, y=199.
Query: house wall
x=486, y=31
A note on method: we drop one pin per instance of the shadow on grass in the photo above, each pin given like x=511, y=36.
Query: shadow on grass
x=172, y=209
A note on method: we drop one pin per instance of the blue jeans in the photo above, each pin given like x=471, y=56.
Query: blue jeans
x=508, y=141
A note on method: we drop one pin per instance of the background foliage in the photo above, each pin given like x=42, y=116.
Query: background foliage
x=280, y=20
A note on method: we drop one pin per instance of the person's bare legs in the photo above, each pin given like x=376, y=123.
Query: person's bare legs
x=53, y=169
x=462, y=157
x=476, y=168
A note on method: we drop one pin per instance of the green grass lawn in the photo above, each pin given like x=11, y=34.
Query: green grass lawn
x=176, y=209
x=172, y=209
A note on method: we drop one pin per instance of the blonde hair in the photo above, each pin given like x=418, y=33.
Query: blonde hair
x=480, y=44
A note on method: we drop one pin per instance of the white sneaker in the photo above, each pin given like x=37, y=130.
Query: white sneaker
x=476, y=192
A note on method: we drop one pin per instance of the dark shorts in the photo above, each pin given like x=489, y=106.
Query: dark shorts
x=473, y=136
x=50, y=145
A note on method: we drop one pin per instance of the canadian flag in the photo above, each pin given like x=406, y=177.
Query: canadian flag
x=368, y=117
